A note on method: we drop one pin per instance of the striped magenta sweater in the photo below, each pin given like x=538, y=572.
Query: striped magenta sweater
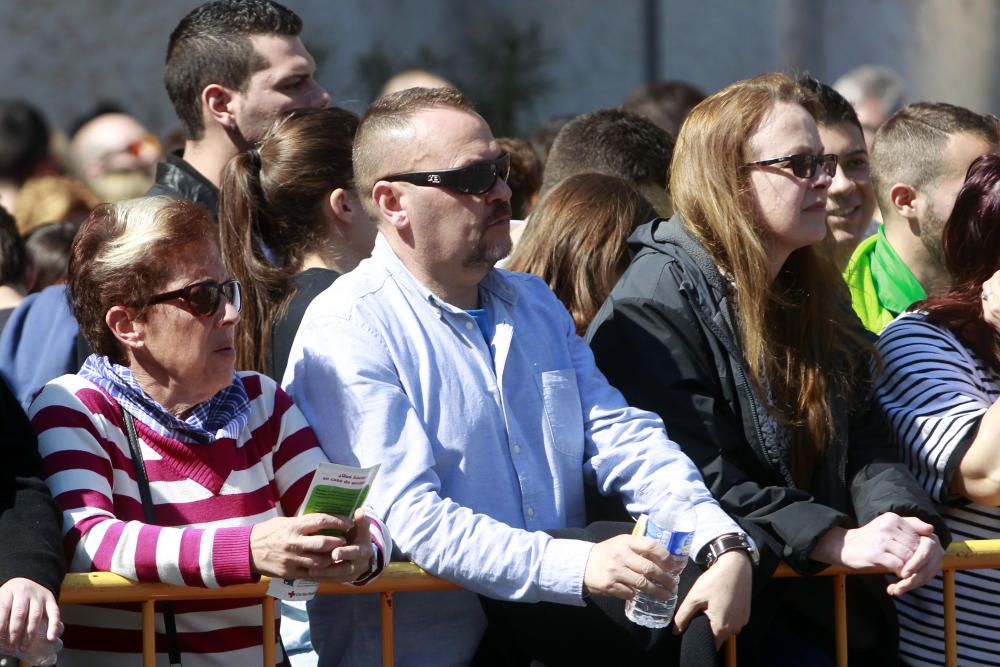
x=206, y=497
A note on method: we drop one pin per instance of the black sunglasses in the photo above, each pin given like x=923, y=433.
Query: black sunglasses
x=203, y=299
x=475, y=179
x=803, y=165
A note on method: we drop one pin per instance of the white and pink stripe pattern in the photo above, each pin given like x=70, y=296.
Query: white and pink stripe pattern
x=206, y=498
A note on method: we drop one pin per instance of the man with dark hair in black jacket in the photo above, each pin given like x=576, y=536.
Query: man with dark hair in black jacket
x=233, y=67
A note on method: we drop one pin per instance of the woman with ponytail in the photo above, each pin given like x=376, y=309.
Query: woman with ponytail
x=291, y=223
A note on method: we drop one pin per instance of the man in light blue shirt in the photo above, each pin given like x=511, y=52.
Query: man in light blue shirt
x=485, y=410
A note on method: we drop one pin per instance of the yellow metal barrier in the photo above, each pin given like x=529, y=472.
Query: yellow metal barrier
x=99, y=587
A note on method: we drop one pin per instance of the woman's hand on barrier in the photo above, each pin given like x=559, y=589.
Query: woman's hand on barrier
x=924, y=564
x=353, y=560
x=24, y=604
x=723, y=594
x=288, y=547
x=887, y=541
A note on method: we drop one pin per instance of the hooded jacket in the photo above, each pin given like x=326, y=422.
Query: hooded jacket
x=665, y=338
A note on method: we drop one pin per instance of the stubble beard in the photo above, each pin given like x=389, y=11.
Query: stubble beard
x=488, y=253
x=932, y=237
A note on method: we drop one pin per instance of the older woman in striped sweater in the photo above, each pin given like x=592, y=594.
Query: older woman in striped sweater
x=168, y=466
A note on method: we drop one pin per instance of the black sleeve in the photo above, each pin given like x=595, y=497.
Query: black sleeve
x=657, y=355
x=30, y=521
x=880, y=482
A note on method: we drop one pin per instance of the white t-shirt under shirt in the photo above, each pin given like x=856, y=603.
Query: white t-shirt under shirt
x=934, y=392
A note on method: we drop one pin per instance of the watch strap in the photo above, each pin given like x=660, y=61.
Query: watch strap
x=729, y=542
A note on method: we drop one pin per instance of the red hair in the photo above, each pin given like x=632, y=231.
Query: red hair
x=971, y=247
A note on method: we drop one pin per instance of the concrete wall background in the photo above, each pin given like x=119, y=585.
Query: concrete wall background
x=64, y=55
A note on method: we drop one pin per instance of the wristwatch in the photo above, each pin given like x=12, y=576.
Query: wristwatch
x=372, y=566
x=730, y=542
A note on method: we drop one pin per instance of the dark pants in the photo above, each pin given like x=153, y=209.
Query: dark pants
x=550, y=634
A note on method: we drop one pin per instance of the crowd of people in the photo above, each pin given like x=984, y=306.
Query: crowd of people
x=781, y=299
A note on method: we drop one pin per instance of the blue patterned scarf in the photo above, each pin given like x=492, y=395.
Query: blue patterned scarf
x=225, y=415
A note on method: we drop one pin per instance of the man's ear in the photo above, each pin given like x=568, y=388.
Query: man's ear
x=388, y=198
x=123, y=323
x=217, y=102
x=903, y=198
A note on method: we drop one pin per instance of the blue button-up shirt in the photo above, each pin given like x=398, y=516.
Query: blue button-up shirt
x=483, y=444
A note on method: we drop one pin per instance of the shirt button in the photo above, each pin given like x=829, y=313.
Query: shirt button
x=469, y=325
x=531, y=512
x=517, y=449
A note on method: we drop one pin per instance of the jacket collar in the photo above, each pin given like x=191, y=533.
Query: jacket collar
x=188, y=183
x=674, y=231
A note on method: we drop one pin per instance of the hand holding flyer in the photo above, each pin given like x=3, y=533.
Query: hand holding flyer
x=335, y=489
x=339, y=490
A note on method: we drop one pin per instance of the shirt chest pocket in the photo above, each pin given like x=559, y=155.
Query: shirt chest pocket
x=562, y=413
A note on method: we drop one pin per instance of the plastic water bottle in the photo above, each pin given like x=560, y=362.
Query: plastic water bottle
x=671, y=522
x=40, y=651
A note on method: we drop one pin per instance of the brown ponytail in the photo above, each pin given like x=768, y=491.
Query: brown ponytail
x=270, y=215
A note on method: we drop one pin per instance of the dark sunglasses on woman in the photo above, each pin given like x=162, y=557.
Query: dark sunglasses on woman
x=803, y=165
x=203, y=299
x=474, y=179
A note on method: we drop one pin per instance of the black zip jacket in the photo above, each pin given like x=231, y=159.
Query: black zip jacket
x=665, y=339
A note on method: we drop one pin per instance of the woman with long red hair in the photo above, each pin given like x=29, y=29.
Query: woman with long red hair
x=733, y=326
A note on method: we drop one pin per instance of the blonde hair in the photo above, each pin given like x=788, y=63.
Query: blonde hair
x=51, y=199
x=797, y=332
x=576, y=240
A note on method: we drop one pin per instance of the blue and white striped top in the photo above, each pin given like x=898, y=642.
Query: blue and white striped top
x=934, y=391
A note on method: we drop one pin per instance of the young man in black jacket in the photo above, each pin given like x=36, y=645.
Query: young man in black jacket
x=232, y=69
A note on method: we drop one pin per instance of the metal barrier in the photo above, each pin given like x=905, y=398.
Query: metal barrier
x=99, y=587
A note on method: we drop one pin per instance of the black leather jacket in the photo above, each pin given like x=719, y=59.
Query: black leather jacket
x=178, y=179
